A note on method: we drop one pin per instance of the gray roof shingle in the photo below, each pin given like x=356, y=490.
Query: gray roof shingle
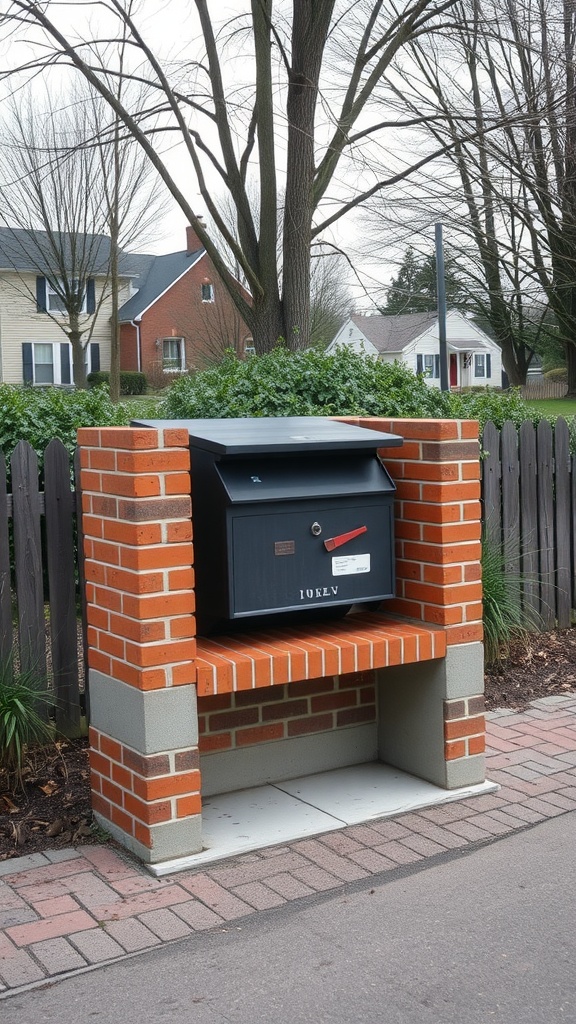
x=160, y=273
x=38, y=252
x=394, y=333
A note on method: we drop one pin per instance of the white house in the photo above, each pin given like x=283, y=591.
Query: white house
x=413, y=339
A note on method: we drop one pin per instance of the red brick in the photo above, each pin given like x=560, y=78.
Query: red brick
x=310, y=724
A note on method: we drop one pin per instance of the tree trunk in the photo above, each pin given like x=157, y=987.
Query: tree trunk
x=571, y=367
x=311, y=19
x=78, y=359
x=269, y=326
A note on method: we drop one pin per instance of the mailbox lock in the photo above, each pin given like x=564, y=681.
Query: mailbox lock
x=316, y=529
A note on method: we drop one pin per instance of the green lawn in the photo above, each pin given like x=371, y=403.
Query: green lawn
x=554, y=406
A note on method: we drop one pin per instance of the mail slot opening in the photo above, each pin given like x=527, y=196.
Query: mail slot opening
x=291, y=516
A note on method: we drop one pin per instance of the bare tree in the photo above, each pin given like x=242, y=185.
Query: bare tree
x=295, y=94
x=330, y=297
x=508, y=71
x=59, y=220
x=76, y=191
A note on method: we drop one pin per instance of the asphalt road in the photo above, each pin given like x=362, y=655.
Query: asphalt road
x=488, y=937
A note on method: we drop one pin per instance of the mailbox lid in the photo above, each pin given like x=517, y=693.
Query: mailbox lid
x=258, y=479
x=276, y=435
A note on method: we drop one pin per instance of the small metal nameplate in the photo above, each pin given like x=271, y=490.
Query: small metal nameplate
x=284, y=547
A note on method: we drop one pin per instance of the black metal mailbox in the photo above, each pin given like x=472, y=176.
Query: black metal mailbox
x=289, y=514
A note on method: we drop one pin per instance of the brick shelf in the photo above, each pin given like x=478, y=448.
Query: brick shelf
x=358, y=643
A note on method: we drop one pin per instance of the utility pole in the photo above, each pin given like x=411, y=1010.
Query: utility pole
x=441, y=297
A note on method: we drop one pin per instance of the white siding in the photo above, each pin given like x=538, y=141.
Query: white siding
x=19, y=322
x=350, y=336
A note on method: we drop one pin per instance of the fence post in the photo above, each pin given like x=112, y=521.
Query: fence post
x=28, y=560
x=5, y=596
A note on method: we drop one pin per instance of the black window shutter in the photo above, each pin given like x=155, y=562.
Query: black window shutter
x=90, y=296
x=488, y=365
x=65, y=373
x=41, y=295
x=436, y=366
x=419, y=364
x=27, y=363
x=94, y=357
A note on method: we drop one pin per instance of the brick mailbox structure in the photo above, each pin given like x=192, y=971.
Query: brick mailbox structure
x=175, y=716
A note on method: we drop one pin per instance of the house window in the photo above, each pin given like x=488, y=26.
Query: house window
x=482, y=366
x=429, y=365
x=55, y=302
x=173, y=354
x=43, y=363
x=47, y=362
x=249, y=348
x=207, y=293
x=50, y=296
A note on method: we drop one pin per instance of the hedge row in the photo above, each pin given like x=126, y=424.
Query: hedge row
x=281, y=383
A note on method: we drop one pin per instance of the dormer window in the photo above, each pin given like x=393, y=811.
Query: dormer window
x=207, y=293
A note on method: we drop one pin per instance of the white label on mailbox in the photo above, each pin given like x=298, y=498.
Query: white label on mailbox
x=350, y=565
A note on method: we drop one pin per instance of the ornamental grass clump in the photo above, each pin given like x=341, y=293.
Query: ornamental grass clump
x=507, y=615
x=23, y=719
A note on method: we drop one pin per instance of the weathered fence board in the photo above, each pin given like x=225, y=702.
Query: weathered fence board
x=529, y=517
x=492, y=483
x=562, y=523
x=546, y=521
x=5, y=596
x=510, y=498
x=28, y=561
x=59, y=505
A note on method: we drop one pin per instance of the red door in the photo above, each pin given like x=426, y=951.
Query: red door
x=453, y=370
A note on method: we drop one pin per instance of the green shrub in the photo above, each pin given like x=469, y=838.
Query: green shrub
x=37, y=415
x=304, y=383
x=132, y=382
x=558, y=375
x=485, y=404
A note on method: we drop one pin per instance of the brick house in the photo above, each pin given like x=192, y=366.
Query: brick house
x=181, y=316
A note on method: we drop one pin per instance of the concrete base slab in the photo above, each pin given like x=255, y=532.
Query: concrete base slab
x=251, y=819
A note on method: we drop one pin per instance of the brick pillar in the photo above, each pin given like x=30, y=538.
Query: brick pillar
x=139, y=584
x=438, y=581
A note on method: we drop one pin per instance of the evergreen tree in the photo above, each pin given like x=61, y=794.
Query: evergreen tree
x=413, y=290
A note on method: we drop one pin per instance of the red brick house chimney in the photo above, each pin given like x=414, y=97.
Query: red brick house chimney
x=193, y=243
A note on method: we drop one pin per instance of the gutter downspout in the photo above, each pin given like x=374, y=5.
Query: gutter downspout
x=136, y=325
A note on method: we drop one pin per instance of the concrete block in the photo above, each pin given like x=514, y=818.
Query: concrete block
x=465, y=771
x=171, y=839
x=151, y=721
x=464, y=670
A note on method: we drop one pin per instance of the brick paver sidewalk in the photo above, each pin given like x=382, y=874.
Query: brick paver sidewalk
x=69, y=910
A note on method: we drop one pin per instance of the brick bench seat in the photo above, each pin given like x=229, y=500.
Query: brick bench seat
x=357, y=643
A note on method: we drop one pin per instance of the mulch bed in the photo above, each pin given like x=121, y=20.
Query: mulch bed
x=52, y=810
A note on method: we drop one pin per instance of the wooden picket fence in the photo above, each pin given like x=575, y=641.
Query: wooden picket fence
x=543, y=389
x=529, y=509
x=38, y=543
